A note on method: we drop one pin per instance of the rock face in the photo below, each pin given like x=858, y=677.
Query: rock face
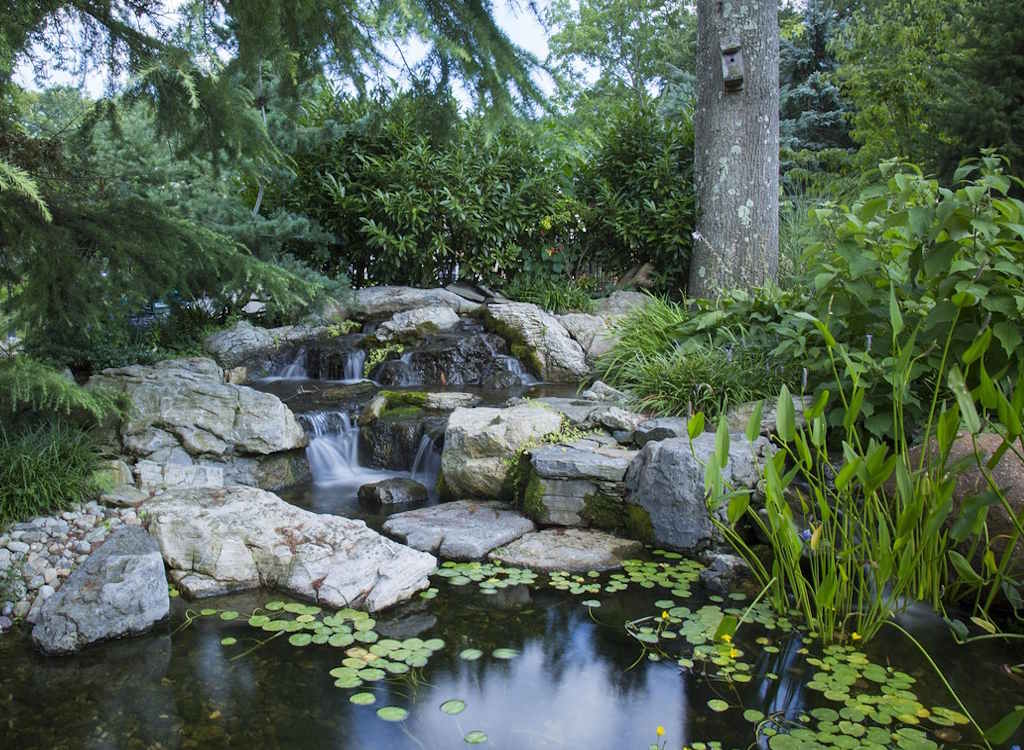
x=183, y=414
x=237, y=538
x=120, y=590
x=393, y=492
x=577, y=485
x=383, y=301
x=591, y=332
x=1008, y=475
x=417, y=322
x=460, y=530
x=479, y=444
x=462, y=358
x=661, y=428
x=589, y=415
x=666, y=480
x=249, y=346
x=567, y=549
x=539, y=340
x=740, y=415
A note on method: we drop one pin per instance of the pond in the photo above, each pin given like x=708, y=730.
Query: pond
x=538, y=661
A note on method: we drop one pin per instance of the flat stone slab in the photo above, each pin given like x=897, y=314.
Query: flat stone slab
x=662, y=428
x=216, y=541
x=568, y=549
x=119, y=590
x=460, y=530
x=567, y=462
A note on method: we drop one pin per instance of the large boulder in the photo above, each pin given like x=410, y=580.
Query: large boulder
x=620, y=303
x=237, y=538
x=567, y=549
x=415, y=323
x=255, y=348
x=181, y=413
x=456, y=358
x=660, y=428
x=460, y=530
x=396, y=491
x=591, y=332
x=540, y=340
x=119, y=590
x=577, y=485
x=383, y=301
x=587, y=414
x=666, y=481
x=481, y=443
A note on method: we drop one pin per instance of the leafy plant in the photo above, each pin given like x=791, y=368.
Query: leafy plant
x=557, y=295
x=45, y=468
x=29, y=385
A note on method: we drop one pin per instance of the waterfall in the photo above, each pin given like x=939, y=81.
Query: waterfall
x=510, y=364
x=354, y=366
x=333, y=447
x=427, y=466
x=295, y=371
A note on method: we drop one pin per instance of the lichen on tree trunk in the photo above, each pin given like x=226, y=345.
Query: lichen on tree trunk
x=736, y=160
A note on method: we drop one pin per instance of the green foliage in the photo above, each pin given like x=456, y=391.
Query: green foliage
x=27, y=384
x=45, y=469
x=557, y=295
x=681, y=358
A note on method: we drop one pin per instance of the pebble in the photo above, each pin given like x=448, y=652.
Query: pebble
x=38, y=555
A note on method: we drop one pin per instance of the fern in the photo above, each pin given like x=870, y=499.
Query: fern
x=19, y=181
x=28, y=383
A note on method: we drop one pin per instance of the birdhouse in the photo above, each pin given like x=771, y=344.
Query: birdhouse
x=732, y=64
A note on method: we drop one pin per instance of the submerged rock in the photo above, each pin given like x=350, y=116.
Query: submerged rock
x=568, y=549
x=724, y=572
x=396, y=491
x=480, y=443
x=666, y=480
x=460, y=530
x=237, y=538
x=540, y=340
x=120, y=590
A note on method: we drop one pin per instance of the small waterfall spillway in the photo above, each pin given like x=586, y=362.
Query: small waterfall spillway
x=333, y=455
x=296, y=370
x=354, y=366
x=511, y=364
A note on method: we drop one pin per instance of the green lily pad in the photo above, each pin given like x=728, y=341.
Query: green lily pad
x=229, y=615
x=434, y=644
x=471, y=654
x=363, y=699
x=300, y=639
x=504, y=653
x=718, y=705
x=590, y=603
x=392, y=713
x=476, y=737
x=347, y=682
x=753, y=716
x=454, y=706
x=228, y=641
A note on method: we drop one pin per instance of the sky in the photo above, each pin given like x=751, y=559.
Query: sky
x=520, y=25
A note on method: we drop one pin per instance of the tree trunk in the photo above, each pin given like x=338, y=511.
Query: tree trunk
x=736, y=159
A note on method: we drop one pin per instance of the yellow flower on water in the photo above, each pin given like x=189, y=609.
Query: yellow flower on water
x=727, y=638
x=734, y=653
x=855, y=636
x=660, y=730
x=664, y=615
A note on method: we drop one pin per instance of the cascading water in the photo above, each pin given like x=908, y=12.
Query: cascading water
x=354, y=366
x=511, y=364
x=427, y=466
x=295, y=371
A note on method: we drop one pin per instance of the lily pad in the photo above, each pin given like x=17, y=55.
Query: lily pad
x=228, y=641
x=476, y=737
x=718, y=705
x=504, y=653
x=363, y=699
x=392, y=713
x=471, y=654
x=454, y=706
x=300, y=639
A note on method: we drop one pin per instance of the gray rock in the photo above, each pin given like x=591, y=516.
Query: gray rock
x=666, y=479
x=479, y=444
x=620, y=303
x=393, y=492
x=247, y=345
x=222, y=540
x=445, y=401
x=113, y=473
x=566, y=462
x=153, y=476
x=460, y=530
x=550, y=351
x=567, y=549
x=187, y=399
x=558, y=502
x=17, y=546
x=739, y=416
x=381, y=301
x=417, y=322
x=125, y=496
x=120, y=590
x=661, y=428
x=724, y=572
x=600, y=391
x=591, y=332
